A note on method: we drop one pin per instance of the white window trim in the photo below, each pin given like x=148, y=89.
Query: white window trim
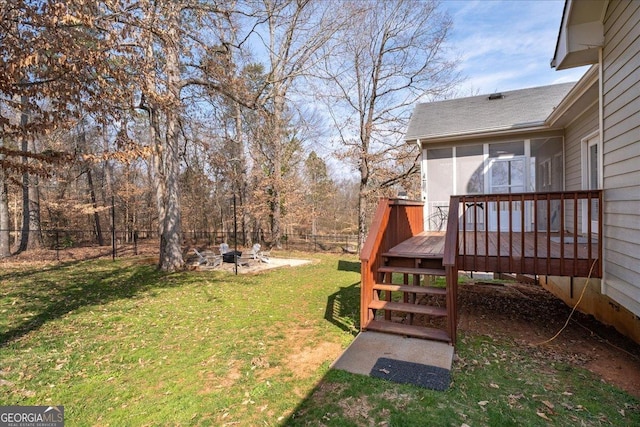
x=585, y=143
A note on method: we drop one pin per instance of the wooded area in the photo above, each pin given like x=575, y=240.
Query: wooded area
x=166, y=114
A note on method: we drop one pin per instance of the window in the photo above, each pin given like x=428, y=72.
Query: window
x=508, y=175
x=439, y=174
x=546, y=164
x=506, y=149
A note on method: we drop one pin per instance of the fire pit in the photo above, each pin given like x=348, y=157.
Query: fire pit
x=231, y=256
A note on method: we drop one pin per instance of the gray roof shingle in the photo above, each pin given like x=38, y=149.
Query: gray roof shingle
x=517, y=109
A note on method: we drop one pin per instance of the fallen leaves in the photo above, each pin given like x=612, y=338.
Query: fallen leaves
x=548, y=404
x=543, y=416
x=513, y=399
x=5, y=383
x=546, y=410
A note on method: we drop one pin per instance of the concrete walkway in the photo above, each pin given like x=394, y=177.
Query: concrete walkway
x=363, y=353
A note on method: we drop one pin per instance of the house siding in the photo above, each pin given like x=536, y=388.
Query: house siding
x=584, y=125
x=621, y=153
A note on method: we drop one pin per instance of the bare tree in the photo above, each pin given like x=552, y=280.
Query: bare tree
x=320, y=188
x=297, y=30
x=180, y=52
x=390, y=56
x=52, y=61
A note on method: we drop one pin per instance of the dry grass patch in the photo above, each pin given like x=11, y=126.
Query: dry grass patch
x=304, y=360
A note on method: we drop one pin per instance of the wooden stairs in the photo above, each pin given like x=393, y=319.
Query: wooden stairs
x=406, y=299
x=402, y=291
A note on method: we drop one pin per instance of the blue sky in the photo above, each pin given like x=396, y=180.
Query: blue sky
x=506, y=44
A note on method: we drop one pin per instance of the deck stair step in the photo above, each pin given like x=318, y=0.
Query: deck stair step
x=410, y=255
x=409, y=270
x=409, y=330
x=430, y=290
x=408, y=308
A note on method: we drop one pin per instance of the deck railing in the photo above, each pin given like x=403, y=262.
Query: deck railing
x=554, y=233
x=395, y=221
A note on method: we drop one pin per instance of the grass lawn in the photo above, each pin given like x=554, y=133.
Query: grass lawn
x=120, y=344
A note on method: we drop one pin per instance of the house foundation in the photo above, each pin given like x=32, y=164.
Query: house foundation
x=603, y=308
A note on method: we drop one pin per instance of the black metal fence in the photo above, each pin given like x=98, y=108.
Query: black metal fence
x=119, y=243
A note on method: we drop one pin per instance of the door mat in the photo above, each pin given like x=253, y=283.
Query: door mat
x=399, y=371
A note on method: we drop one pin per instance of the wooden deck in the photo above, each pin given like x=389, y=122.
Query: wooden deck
x=544, y=253
x=397, y=248
x=425, y=243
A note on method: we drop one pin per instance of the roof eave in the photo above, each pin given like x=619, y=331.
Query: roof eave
x=583, y=85
x=581, y=34
x=484, y=133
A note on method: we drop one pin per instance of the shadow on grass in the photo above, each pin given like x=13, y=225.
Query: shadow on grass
x=343, y=308
x=349, y=266
x=53, y=267
x=45, y=295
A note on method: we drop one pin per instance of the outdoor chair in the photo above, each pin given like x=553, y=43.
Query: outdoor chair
x=208, y=259
x=257, y=254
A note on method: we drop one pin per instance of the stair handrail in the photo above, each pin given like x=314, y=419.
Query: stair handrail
x=376, y=231
x=370, y=257
x=450, y=263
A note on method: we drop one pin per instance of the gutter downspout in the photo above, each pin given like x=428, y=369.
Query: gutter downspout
x=603, y=283
x=423, y=184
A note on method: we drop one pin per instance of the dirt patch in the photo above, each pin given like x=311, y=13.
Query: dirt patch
x=305, y=356
x=530, y=315
x=212, y=383
x=303, y=362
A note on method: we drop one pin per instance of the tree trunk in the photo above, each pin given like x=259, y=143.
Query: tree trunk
x=92, y=193
x=157, y=166
x=240, y=176
x=94, y=203
x=5, y=249
x=165, y=158
x=31, y=234
x=362, y=218
x=171, y=230
x=276, y=179
x=364, y=184
x=169, y=191
x=158, y=181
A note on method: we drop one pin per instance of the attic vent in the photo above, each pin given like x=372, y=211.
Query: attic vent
x=496, y=96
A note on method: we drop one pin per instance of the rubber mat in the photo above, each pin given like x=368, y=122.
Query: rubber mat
x=399, y=371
